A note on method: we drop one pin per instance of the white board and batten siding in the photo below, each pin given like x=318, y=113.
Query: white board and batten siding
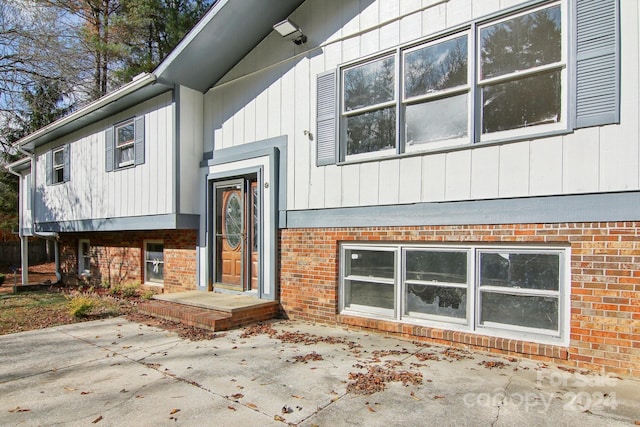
x=92, y=193
x=272, y=92
x=190, y=149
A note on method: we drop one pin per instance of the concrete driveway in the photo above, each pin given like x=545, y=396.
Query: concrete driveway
x=116, y=372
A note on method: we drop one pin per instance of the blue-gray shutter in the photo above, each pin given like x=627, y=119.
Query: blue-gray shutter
x=138, y=144
x=66, y=172
x=49, y=167
x=109, y=149
x=597, y=62
x=326, y=120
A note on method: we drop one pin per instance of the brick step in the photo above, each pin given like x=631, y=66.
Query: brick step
x=208, y=318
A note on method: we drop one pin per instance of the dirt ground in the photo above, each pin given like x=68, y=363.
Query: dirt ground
x=38, y=274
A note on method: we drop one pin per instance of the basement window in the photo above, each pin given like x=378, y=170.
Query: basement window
x=513, y=292
x=154, y=262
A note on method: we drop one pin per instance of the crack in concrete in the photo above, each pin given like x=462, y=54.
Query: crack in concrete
x=504, y=397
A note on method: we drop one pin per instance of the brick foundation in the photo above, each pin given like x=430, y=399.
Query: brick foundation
x=118, y=258
x=605, y=286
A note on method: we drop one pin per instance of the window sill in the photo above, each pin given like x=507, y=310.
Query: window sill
x=154, y=284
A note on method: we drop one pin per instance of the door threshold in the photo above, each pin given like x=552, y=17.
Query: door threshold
x=236, y=288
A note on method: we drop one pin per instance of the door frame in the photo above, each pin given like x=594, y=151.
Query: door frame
x=268, y=160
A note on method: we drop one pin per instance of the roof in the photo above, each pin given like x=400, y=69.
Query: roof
x=221, y=39
x=138, y=90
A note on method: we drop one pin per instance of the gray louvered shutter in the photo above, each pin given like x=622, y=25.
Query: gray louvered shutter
x=66, y=172
x=597, y=62
x=49, y=167
x=108, y=149
x=326, y=119
x=139, y=140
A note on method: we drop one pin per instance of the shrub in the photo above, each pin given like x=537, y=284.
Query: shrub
x=148, y=294
x=80, y=306
x=2, y=277
x=130, y=290
x=115, y=290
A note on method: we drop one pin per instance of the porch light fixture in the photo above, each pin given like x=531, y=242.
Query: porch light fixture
x=290, y=31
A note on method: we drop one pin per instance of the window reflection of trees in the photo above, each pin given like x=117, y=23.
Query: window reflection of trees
x=516, y=46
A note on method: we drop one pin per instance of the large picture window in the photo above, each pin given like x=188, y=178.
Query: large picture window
x=502, y=291
x=518, y=89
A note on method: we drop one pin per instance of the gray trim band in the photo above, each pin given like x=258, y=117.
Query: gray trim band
x=531, y=210
x=146, y=222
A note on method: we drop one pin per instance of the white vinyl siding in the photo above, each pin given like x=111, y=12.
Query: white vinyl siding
x=93, y=193
x=256, y=100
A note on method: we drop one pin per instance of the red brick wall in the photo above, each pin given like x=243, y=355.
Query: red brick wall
x=118, y=258
x=605, y=285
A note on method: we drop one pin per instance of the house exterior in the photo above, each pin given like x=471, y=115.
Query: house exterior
x=465, y=171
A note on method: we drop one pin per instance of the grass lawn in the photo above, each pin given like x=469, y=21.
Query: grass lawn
x=26, y=311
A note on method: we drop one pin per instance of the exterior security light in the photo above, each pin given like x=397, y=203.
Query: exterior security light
x=289, y=30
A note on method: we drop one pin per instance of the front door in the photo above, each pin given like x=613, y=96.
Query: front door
x=237, y=259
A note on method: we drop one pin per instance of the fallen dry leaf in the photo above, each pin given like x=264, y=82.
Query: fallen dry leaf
x=278, y=418
x=19, y=409
x=237, y=396
x=371, y=409
x=233, y=408
x=82, y=393
x=174, y=411
x=251, y=405
x=438, y=396
x=97, y=420
x=70, y=389
x=492, y=364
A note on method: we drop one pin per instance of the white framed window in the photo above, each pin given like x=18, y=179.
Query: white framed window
x=436, y=93
x=437, y=283
x=57, y=165
x=84, y=257
x=154, y=262
x=125, y=154
x=369, y=279
x=369, y=108
x=522, y=73
x=125, y=144
x=519, y=290
x=512, y=292
x=500, y=79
